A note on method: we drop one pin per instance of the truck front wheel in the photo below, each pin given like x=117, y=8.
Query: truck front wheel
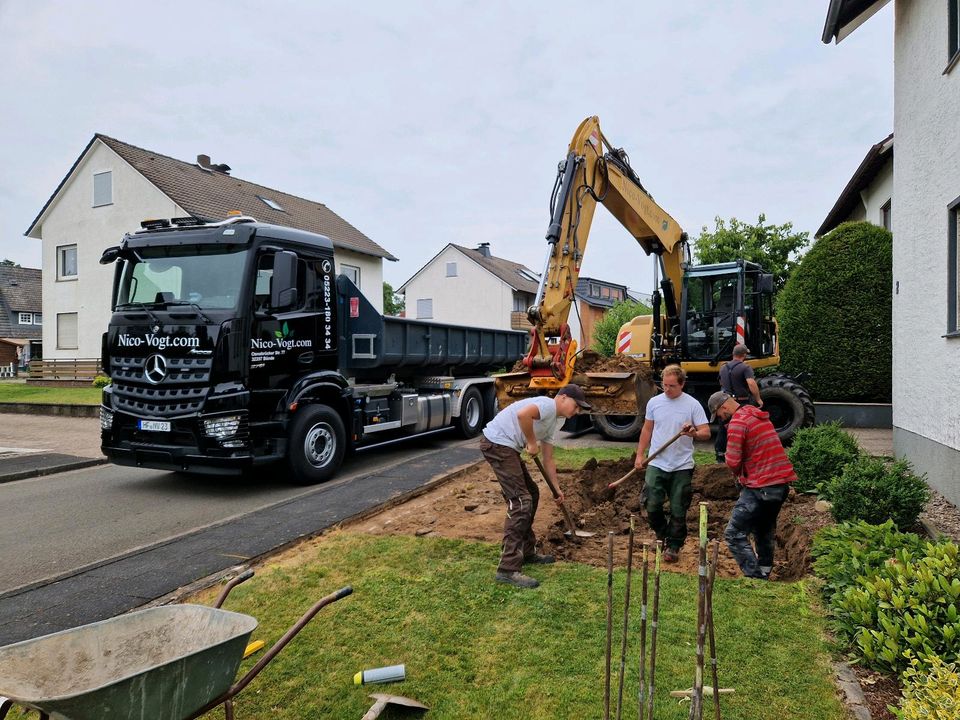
x=471, y=417
x=317, y=445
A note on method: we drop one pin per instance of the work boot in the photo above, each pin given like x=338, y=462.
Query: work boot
x=721, y=458
x=537, y=559
x=670, y=555
x=517, y=579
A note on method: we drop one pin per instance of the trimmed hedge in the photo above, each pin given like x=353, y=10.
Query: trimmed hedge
x=835, y=315
x=819, y=453
x=867, y=489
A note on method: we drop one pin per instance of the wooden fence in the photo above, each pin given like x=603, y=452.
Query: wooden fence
x=76, y=370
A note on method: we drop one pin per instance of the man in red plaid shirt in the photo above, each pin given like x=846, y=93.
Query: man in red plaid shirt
x=764, y=473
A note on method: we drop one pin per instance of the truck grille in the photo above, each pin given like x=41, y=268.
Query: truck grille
x=181, y=392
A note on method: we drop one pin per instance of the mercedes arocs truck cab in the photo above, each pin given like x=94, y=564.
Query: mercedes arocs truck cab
x=235, y=344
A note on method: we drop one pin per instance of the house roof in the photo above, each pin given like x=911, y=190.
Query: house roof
x=876, y=159
x=583, y=292
x=845, y=16
x=19, y=292
x=513, y=274
x=210, y=194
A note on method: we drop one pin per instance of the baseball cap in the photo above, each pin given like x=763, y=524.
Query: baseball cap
x=575, y=392
x=715, y=401
x=741, y=349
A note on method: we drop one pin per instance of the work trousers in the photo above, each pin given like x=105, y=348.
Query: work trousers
x=673, y=486
x=755, y=513
x=522, y=497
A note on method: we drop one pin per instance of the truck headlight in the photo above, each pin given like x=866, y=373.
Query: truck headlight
x=221, y=427
x=106, y=418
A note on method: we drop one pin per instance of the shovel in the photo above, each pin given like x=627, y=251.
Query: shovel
x=650, y=457
x=571, y=527
x=382, y=700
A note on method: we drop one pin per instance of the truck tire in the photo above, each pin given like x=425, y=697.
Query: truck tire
x=619, y=427
x=470, y=421
x=788, y=403
x=317, y=444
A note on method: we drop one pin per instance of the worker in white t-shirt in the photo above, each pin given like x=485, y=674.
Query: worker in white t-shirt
x=669, y=475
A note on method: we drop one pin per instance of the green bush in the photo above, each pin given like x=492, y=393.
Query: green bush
x=819, y=453
x=906, y=610
x=834, y=314
x=606, y=329
x=842, y=553
x=101, y=381
x=930, y=694
x=870, y=490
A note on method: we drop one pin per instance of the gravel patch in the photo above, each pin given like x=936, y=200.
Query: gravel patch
x=943, y=515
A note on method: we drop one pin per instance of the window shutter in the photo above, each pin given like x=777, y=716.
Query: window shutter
x=67, y=331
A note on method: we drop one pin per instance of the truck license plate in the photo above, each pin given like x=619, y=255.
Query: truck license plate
x=154, y=425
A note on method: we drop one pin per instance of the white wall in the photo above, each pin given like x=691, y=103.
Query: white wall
x=475, y=297
x=72, y=219
x=371, y=274
x=876, y=195
x=926, y=366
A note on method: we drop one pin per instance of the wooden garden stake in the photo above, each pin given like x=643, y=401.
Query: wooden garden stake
x=626, y=621
x=606, y=685
x=696, y=701
x=653, y=629
x=713, y=644
x=643, y=635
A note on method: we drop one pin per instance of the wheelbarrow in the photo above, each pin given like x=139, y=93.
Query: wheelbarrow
x=166, y=663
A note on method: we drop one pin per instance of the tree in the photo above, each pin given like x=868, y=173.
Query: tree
x=393, y=304
x=775, y=247
x=606, y=329
x=835, y=315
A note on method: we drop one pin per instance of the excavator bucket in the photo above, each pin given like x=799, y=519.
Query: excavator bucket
x=610, y=393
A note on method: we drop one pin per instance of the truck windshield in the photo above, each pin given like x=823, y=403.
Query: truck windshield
x=205, y=277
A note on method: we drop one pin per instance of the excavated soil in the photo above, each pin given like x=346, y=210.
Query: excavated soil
x=470, y=507
x=590, y=361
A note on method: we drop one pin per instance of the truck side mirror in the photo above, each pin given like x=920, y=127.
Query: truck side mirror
x=110, y=255
x=283, y=289
x=765, y=283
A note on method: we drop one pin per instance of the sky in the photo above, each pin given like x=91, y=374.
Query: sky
x=425, y=123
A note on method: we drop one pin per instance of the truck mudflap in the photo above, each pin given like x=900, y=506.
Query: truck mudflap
x=610, y=393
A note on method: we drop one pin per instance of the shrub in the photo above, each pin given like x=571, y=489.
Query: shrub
x=607, y=327
x=101, y=381
x=906, y=610
x=870, y=490
x=842, y=553
x=835, y=315
x=819, y=453
x=930, y=694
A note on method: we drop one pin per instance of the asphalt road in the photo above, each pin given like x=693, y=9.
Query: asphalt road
x=52, y=526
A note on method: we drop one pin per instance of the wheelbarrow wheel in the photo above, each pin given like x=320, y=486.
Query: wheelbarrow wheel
x=317, y=444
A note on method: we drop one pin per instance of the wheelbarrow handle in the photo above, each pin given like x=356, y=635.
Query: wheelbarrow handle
x=272, y=652
x=241, y=578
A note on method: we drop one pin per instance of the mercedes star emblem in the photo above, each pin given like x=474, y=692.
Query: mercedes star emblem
x=155, y=368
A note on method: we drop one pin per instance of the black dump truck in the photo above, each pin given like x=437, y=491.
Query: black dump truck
x=235, y=344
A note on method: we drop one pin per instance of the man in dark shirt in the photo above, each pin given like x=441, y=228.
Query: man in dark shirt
x=737, y=381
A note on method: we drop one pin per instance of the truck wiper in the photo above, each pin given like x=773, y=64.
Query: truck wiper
x=193, y=305
x=140, y=306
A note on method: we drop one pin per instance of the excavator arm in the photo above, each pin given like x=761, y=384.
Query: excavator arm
x=594, y=172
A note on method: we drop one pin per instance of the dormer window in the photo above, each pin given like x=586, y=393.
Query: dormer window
x=272, y=204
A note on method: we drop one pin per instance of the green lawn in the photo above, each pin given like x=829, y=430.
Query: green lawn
x=476, y=649
x=18, y=392
x=574, y=458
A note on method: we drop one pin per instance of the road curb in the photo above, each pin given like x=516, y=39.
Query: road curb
x=82, y=411
x=852, y=692
x=52, y=470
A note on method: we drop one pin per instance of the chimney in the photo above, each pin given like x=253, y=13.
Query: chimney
x=204, y=162
x=484, y=249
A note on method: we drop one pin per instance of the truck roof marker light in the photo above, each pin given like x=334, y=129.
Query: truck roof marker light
x=293, y=406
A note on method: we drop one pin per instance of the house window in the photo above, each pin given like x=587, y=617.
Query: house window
x=424, y=308
x=352, y=272
x=953, y=277
x=66, y=262
x=451, y=269
x=272, y=204
x=37, y=319
x=67, y=331
x=885, y=218
x=103, y=188
x=25, y=318
x=953, y=46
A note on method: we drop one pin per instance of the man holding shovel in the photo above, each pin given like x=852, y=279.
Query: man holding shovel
x=764, y=473
x=525, y=425
x=673, y=420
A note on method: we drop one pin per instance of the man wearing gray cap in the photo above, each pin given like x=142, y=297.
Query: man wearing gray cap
x=736, y=380
x=527, y=425
x=764, y=473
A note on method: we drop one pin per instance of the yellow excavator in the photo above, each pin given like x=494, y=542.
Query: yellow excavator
x=699, y=312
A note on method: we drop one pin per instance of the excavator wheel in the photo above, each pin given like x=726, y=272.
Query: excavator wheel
x=788, y=403
x=619, y=427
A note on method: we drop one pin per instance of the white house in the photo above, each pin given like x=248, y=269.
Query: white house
x=869, y=193
x=114, y=186
x=926, y=271
x=471, y=287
